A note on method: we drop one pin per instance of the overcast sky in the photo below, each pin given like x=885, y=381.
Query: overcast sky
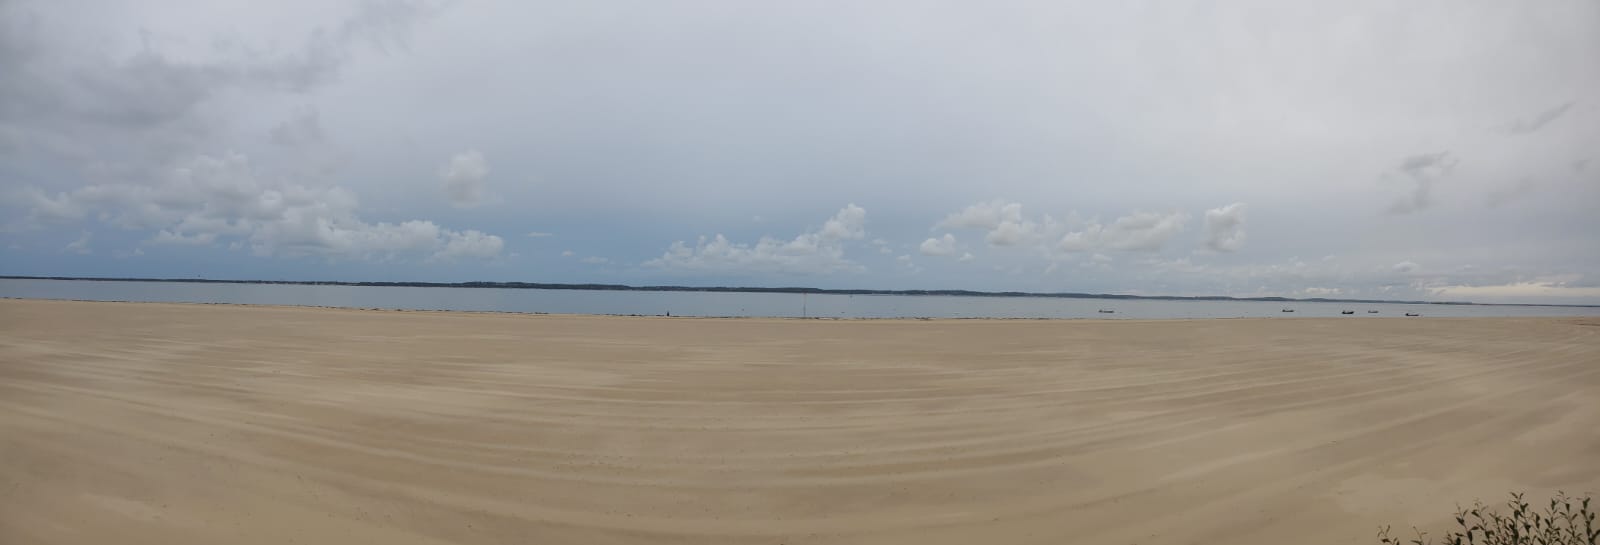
x=1444, y=150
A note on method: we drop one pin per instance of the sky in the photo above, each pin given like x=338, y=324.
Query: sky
x=1432, y=150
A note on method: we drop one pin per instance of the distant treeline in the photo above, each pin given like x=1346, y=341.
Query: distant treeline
x=742, y=289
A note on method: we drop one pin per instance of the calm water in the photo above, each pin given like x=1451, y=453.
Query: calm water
x=723, y=304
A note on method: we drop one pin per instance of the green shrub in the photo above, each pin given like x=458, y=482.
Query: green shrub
x=1567, y=521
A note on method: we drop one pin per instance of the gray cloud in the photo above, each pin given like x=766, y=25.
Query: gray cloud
x=463, y=178
x=1421, y=171
x=64, y=98
x=1525, y=126
x=302, y=129
x=137, y=119
x=1511, y=192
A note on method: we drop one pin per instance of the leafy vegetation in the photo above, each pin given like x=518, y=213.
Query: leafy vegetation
x=1566, y=521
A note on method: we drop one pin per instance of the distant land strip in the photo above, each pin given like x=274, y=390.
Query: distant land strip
x=748, y=289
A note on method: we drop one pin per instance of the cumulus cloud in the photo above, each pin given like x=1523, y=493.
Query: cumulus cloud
x=79, y=246
x=1083, y=240
x=1006, y=225
x=810, y=253
x=1405, y=267
x=849, y=223
x=469, y=244
x=463, y=178
x=1143, y=231
x=939, y=246
x=568, y=253
x=1003, y=221
x=1538, y=121
x=1421, y=171
x=966, y=257
x=1225, y=227
x=133, y=122
x=206, y=199
x=986, y=215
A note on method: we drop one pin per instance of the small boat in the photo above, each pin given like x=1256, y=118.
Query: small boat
x=1104, y=311
x=1287, y=310
x=1347, y=312
x=1412, y=314
x=1372, y=312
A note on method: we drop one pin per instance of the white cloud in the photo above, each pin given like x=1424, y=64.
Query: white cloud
x=819, y=252
x=966, y=257
x=850, y=222
x=167, y=237
x=1225, y=227
x=568, y=253
x=1520, y=290
x=1003, y=221
x=1405, y=267
x=939, y=246
x=1140, y=231
x=79, y=246
x=205, y=199
x=540, y=234
x=1143, y=231
x=1010, y=233
x=1321, y=292
x=470, y=244
x=986, y=215
x=594, y=260
x=463, y=178
x=1082, y=240
x=1137, y=232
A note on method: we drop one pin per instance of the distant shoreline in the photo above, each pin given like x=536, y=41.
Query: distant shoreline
x=793, y=290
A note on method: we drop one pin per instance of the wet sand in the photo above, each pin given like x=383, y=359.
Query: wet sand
x=162, y=423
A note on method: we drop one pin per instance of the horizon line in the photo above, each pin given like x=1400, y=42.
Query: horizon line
x=483, y=284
